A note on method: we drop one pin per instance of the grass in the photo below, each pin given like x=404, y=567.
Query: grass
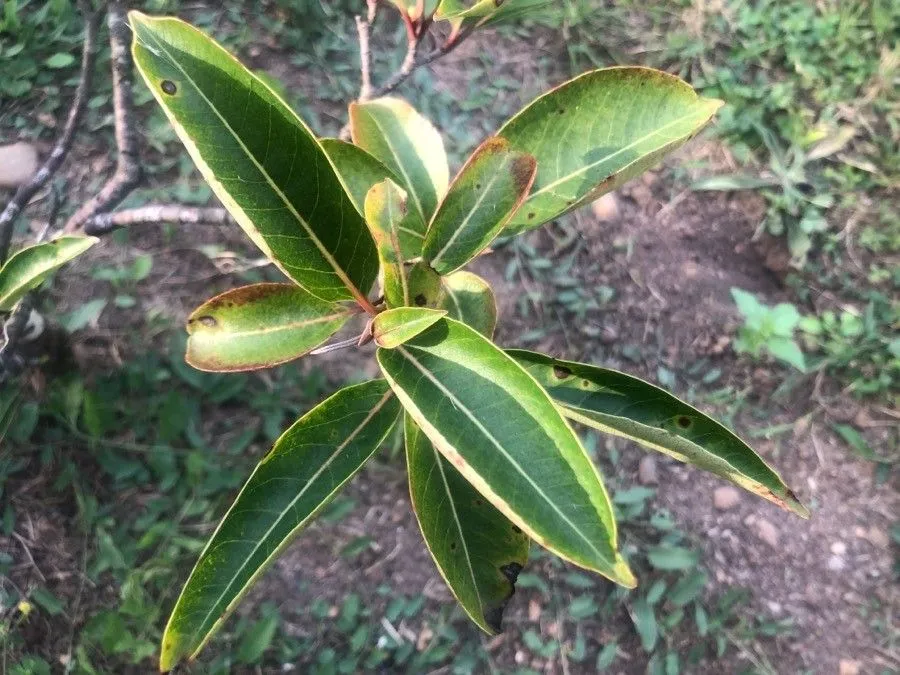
x=112, y=484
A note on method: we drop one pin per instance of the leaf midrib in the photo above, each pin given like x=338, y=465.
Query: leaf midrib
x=459, y=406
x=610, y=156
x=319, y=245
x=375, y=409
x=456, y=233
x=439, y=459
x=275, y=329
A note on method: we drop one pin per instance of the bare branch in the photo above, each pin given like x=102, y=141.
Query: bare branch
x=365, y=58
x=104, y=223
x=63, y=144
x=128, y=172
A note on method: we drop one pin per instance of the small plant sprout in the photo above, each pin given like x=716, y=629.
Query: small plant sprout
x=378, y=227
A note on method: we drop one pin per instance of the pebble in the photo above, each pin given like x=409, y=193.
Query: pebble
x=726, y=497
x=836, y=563
x=765, y=530
x=18, y=162
x=647, y=472
x=848, y=667
x=774, y=607
x=839, y=548
x=606, y=208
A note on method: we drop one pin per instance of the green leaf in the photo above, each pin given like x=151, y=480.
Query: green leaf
x=469, y=298
x=787, y=350
x=597, y=131
x=394, y=327
x=307, y=466
x=477, y=550
x=59, y=60
x=502, y=432
x=260, y=326
x=385, y=210
x=408, y=144
x=645, y=622
x=360, y=171
x=670, y=558
x=258, y=639
x=416, y=9
x=28, y=268
x=624, y=405
x=259, y=158
x=482, y=198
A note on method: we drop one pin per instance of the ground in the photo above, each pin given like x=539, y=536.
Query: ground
x=106, y=507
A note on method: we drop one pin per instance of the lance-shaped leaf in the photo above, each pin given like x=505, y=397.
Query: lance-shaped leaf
x=408, y=144
x=599, y=130
x=469, y=298
x=360, y=171
x=477, y=13
x=395, y=326
x=482, y=198
x=260, y=159
x=29, y=267
x=307, y=466
x=260, y=326
x=626, y=406
x=385, y=209
x=496, y=425
x=478, y=551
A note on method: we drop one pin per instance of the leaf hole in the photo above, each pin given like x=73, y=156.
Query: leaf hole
x=684, y=421
x=420, y=300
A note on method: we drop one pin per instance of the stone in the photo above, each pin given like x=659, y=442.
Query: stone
x=647, y=472
x=18, y=162
x=726, y=497
x=766, y=531
x=839, y=548
x=878, y=537
x=836, y=563
x=606, y=208
x=848, y=667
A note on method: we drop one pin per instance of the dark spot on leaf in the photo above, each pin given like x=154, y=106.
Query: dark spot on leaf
x=684, y=421
x=452, y=545
x=168, y=87
x=561, y=372
x=561, y=111
x=479, y=503
x=586, y=384
x=477, y=186
x=511, y=571
x=207, y=321
x=516, y=529
x=420, y=300
x=531, y=215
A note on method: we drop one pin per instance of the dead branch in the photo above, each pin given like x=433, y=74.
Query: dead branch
x=64, y=143
x=104, y=223
x=128, y=172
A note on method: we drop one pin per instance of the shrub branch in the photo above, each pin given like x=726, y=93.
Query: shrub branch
x=64, y=143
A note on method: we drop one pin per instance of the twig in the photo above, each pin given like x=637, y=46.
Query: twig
x=64, y=142
x=415, y=31
x=128, y=172
x=105, y=223
x=365, y=58
x=18, y=537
